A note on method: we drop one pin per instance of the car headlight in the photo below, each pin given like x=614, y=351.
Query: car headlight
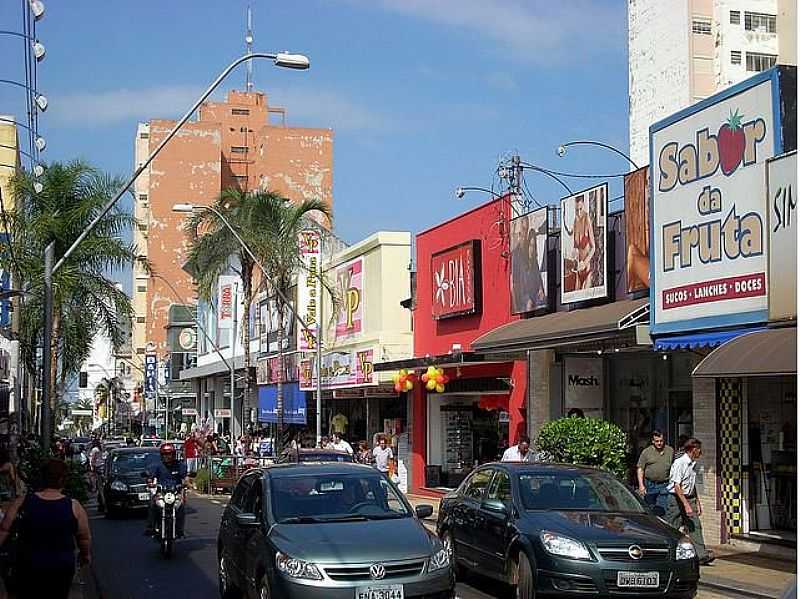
x=564, y=546
x=296, y=568
x=169, y=498
x=685, y=549
x=118, y=485
x=439, y=560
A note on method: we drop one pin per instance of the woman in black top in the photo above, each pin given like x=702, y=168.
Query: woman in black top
x=49, y=527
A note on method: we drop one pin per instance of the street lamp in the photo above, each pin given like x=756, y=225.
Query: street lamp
x=37, y=8
x=40, y=142
x=186, y=208
x=461, y=191
x=562, y=149
x=281, y=59
x=36, y=45
x=40, y=99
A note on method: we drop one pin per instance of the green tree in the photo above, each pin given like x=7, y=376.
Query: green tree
x=584, y=441
x=85, y=298
x=270, y=225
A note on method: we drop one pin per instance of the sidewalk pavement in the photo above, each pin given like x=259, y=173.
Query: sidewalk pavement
x=743, y=574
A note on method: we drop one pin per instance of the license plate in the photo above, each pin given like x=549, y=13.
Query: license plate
x=642, y=580
x=392, y=591
x=144, y=496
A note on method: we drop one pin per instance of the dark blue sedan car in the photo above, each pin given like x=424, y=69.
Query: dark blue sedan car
x=566, y=531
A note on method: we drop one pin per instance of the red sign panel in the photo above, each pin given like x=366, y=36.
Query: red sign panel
x=753, y=285
x=456, y=280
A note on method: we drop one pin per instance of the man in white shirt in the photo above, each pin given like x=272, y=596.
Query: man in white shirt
x=340, y=444
x=521, y=452
x=383, y=454
x=683, y=507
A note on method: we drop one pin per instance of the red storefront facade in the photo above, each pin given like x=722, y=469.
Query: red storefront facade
x=463, y=291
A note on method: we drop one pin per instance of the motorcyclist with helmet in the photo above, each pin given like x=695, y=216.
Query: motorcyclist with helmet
x=169, y=473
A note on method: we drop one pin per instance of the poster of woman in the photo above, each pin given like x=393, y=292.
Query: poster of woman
x=583, y=245
x=529, y=265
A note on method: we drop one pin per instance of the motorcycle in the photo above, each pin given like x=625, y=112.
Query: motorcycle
x=168, y=499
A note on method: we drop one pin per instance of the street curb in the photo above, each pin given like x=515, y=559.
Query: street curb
x=722, y=585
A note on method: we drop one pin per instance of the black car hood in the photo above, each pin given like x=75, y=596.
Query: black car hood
x=354, y=542
x=600, y=528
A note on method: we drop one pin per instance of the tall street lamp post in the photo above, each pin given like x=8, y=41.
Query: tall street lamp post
x=281, y=59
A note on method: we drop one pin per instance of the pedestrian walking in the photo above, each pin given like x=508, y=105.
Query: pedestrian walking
x=49, y=526
x=364, y=455
x=652, y=470
x=191, y=451
x=521, y=452
x=383, y=456
x=339, y=444
x=683, y=507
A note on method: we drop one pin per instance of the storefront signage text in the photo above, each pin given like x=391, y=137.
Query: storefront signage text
x=308, y=289
x=339, y=369
x=226, y=297
x=456, y=280
x=709, y=214
x=350, y=287
x=782, y=214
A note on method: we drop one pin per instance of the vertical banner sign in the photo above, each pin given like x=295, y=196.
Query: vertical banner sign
x=782, y=220
x=709, y=235
x=226, y=292
x=150, y=375
x=350, y=286
x=637, y=229
x=529, y=265
x=308, y=289
x=583, y=245
x=455, y=274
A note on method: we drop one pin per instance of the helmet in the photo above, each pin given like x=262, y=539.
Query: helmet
x=167, y=449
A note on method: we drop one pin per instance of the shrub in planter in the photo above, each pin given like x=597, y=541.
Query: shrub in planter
x=585, y=441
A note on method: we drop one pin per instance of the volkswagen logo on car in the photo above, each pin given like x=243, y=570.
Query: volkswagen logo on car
x=377, y=571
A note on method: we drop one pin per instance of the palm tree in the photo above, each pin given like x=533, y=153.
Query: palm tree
x=85, y=299
x=270, y=225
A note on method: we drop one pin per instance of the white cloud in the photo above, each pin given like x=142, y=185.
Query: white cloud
x=502, y=82
x=95, y=109
x=532, y=30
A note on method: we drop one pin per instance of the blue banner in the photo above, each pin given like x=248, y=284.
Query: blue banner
x=150, y=374
x=294, y=404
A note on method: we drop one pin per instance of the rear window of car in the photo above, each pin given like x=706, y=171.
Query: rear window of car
x=576, y=491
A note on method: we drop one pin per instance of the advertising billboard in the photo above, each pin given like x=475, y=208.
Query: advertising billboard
x=226, y=290
x=708, y=213
x=529, y=264
x=782, y=224
x=637, y=229
x=308, y=289
x=456, y=280
x=354, y=368
x=350, y=289
x=583, y=245
x=268, y=320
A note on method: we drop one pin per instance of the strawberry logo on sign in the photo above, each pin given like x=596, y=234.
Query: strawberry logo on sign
x=731, y=141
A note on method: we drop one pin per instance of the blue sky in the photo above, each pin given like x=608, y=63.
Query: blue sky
x=424, y=95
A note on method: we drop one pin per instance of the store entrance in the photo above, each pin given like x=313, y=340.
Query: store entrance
x=463, y=432
x=771, y=449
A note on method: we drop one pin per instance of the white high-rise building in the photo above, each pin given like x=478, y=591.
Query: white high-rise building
x=681, y=51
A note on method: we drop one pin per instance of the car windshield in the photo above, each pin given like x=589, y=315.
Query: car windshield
x=576, y=491
x=128, y=463
x=335, y=497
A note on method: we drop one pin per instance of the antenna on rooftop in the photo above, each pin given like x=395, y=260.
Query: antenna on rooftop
x=248, y=39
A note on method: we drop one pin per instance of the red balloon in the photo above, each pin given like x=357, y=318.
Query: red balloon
x=425, y=378
x=445, y=379
x=398, y=387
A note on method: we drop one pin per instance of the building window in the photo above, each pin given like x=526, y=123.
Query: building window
x=757, y=62
x=141, y=288
x=701, y=26
x=238, y=149
x=144, y=136
x=736, y=17
x=140, y=319
x=761, y=22
x=736, y=57
x=240, y=112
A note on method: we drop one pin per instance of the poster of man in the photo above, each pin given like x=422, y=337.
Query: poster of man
x=583, y=245
x=529, y=264
x=637, y=229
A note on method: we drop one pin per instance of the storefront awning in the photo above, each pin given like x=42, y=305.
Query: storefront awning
x=561, y=328
x=770, y=352
x=451, y=360
x=698, y=340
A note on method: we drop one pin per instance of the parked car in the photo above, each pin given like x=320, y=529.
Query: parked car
x=565, y=531
x=123, y=486
x=294, y=456
x=328, y=531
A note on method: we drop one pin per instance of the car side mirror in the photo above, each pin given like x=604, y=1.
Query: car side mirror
x=424, y=511
x=496, y=506
x=247, y=520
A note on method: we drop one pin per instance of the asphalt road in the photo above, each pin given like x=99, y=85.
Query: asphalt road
x=129, y=566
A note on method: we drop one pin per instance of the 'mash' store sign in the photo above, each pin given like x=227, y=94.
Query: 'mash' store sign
x=709, y=227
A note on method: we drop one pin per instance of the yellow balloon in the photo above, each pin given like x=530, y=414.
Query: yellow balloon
x=430, y=385
x=409, y=385
x=431, y=370
x=395, y=377
x=403, y=372
x=439, y=388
